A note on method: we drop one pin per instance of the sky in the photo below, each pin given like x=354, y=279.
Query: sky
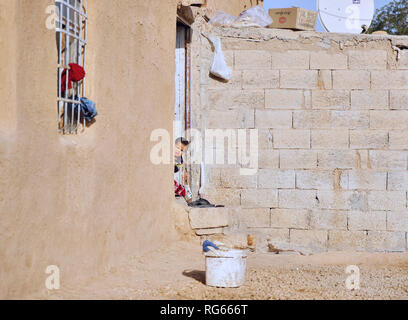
x=308, y=4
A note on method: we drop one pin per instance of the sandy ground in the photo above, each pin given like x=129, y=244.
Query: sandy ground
x=179, y=273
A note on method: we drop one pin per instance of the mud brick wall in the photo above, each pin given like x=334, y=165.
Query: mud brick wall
x=332, y=115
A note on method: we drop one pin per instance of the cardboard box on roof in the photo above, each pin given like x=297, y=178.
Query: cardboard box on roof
x=293, y=18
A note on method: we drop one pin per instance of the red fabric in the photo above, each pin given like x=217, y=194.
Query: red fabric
x=76, y=73
x=179, y=189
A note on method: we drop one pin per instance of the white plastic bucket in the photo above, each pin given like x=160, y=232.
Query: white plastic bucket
x=225, y=269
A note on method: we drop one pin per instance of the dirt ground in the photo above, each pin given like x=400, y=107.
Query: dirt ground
x=178, y=272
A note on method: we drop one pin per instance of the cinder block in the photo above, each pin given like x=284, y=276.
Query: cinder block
x=259, y=198
x=369, y=99
x=222, y=196
x=285, y=99
x=367, y=220
x=214, y=175
x=331, y=99
x=265, y=139
x=307, y=95
x=268, y=159
x=229, y=57
x=398, y=140
x=231, y=178
x=388, y=160
x=368, y=59
x=252, y=59
x=260, y=79
x=342, y=159
x=324, y=80
x=342, y=200
x=291, y=59
x=328, y=219
x=399, y=99
x=387, y=200
x=268, y=239
x=298, y=79
x=308, y=119
x=203, y=47
x=367, y=179
x=350, y=119
x=397, y=180
x=325, y=60
x=330, y=139
x=221, y=151
x=298, y=159
x=368, y=139
x=204, y=218
x=232, y=119
x=273, y=119
x=397, y=221
x=351, y=79
x=386, y=241
x=226, y=99
x=270, y=178
x=297, y=199
x=314, y=240
x=325, y=119
x=316, y=179
x=291, y=139
x=290, y=218
x=394, y=119
x=363, y=160
x=340, y=240
x=254, y=218
x=389, y=79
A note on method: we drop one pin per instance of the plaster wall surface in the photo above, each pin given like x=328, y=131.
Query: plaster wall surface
x=88, y=202
x=83, y=203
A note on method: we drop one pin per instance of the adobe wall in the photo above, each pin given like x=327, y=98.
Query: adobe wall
x=331, y=112
x=85, y=202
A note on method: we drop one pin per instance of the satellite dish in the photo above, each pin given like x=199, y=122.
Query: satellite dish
x=346, y=16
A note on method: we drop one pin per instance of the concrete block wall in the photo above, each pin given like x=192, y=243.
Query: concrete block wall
x=332, y=116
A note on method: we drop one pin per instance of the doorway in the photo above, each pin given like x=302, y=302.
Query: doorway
x=182, y=90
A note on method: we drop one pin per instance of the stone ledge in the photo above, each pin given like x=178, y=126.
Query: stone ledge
x=264, y=34
x=209, y=231
x=208, y=218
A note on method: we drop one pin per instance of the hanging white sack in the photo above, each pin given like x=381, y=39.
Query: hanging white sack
x=219, y=67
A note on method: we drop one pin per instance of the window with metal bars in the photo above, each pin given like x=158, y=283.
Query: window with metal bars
x=71, y=35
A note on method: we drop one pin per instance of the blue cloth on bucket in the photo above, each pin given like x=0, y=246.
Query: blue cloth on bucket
x=208, y=243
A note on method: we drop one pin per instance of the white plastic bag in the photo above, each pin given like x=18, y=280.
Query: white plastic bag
x=219, y=67
x=222, y=19
x=256, y=16
x=253, y=17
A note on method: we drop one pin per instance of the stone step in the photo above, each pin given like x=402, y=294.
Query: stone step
x=207, y=219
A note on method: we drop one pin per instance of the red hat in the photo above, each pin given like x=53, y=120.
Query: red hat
x=76, y=73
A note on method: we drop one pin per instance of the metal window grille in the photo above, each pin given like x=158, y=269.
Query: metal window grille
x=71, y=32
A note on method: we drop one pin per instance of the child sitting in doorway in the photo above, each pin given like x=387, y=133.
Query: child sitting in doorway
x=179, y=189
